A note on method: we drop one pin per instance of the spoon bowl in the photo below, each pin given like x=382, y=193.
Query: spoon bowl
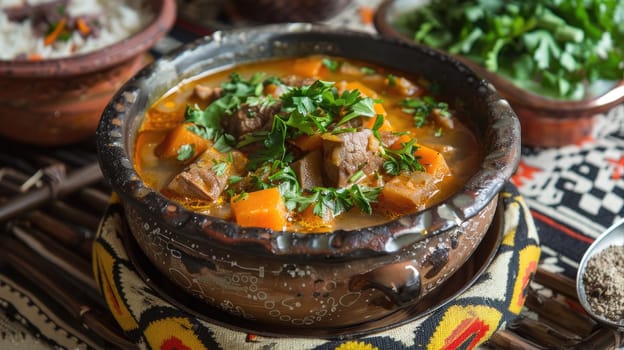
x=613, y=236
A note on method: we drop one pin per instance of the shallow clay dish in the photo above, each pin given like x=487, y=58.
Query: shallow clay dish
x=313, y=280
x=545, y=121
x=59, y=101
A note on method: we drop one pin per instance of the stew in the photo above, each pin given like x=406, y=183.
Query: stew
x=308, y=144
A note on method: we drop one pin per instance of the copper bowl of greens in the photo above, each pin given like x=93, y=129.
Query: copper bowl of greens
x=557, y=65
x=293, y=176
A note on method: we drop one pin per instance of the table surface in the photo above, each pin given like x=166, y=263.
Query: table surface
x=574, y=192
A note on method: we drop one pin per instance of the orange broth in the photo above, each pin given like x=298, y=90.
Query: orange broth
x=457, y=145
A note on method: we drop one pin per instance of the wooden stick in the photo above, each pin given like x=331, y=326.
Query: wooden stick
x=82, y=177
x=57, y=285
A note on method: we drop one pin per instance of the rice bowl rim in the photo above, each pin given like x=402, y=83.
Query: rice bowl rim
x=104, y=57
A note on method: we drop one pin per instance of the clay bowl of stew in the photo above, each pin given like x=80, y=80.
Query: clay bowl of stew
x=317, y=202
x=547, y=120
x=59, y=67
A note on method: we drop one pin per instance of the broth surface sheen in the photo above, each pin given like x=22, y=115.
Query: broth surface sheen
x=314, y=144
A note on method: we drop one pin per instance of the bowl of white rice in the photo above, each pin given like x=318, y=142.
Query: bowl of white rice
x=62, y=60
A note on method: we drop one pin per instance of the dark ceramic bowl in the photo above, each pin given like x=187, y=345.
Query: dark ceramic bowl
x=60, y=101
x=290, y=279
x=545, y=121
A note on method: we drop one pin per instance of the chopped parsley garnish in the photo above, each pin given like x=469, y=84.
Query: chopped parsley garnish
x=391, y=79
x=185, y=152
x=368, y=70
x=337, y=200
x=402, y=160
x=421, y=109
x=332, y=65
x=312, y=109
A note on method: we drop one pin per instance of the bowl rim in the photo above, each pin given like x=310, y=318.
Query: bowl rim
x=517, y=95
x=500, y=161
x=107, y=56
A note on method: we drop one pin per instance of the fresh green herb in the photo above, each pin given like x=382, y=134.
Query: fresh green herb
x=554, y=47
x=422, y=107
x=392, y=80
x=340, y=200
x=402, y=160
x=185, y=152
x=241, y=196
x=357, y=176
x=234, y=179
x=274, y=146
x=379, y=120
x=219, y=167
x=207, y=122
x=332, y=65
x=368, y=70
x=438, y=132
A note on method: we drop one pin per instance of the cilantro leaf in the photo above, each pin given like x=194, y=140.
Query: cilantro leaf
x=569, y=43
x=185, y=152
x=402, y=160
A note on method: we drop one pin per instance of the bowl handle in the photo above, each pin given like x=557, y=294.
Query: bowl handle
x=399, y=281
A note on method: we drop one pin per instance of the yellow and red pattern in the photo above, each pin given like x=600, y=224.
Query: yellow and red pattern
x=465, y=327
x=173, y=333
x=527, y=265
x=356, y=345
x=103, y=264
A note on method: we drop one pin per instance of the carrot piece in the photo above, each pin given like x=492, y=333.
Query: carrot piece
x=35, y=57
x=176, y=138
x=83, y=27
x=366, y=14
x=264, y=208
x=51, y=38
x=364, y=90
x=398, y=144
x=308, y=142
x=369, y=122
x=404, y=194
x=308, y=66
x=432, y=161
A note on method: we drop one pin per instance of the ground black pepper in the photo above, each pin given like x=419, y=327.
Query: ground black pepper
x=604, y=283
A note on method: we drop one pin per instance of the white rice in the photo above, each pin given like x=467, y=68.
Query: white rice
x=119, y=20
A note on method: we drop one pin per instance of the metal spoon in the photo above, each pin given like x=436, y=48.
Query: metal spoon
x=614, y=235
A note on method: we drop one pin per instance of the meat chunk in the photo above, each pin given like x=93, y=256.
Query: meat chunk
x=347, y=153
x=207, y=177
x=388, y=138
x=405, y=194
x=297, y=81
x=207, y=93
x=405, y=87
x=248, y=118
x=309, y=170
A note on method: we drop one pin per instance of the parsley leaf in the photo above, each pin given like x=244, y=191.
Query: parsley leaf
x=185, y=152
x=402, y=160
x=569, y=42
x=421, y=108
x=332, y=65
